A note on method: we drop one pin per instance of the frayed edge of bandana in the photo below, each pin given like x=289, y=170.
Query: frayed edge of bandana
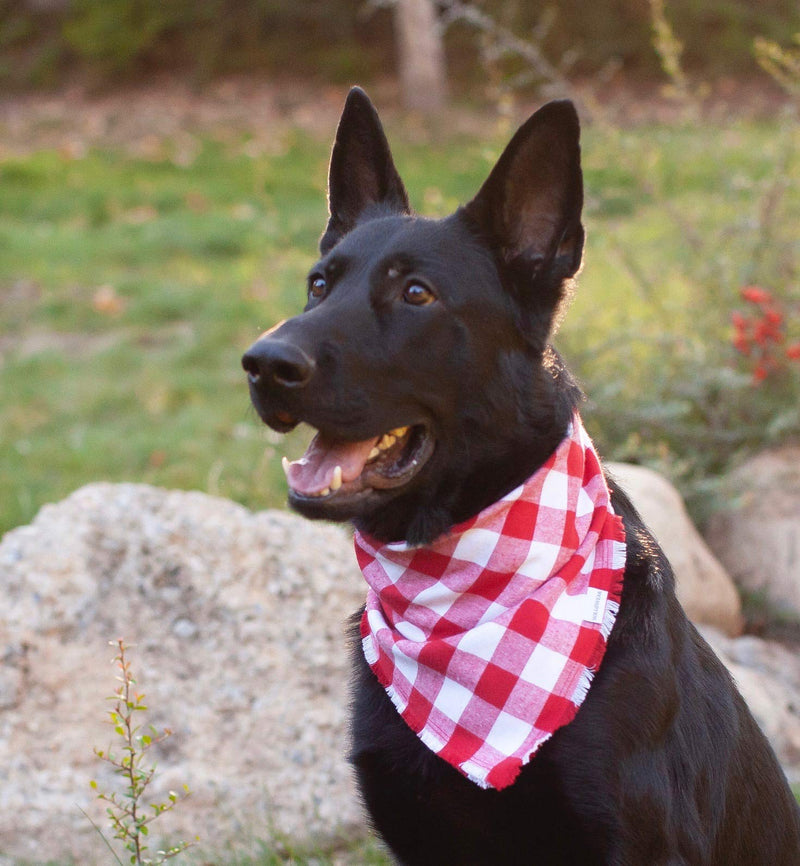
x=618, y=556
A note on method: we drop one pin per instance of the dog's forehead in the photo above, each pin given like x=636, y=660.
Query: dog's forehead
x=420, y=242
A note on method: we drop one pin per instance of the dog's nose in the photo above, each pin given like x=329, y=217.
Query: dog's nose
x=271, y=361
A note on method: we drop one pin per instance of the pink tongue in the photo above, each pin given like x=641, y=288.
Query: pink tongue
x=313, y=472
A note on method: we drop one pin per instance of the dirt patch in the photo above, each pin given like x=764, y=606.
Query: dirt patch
x=139, y=119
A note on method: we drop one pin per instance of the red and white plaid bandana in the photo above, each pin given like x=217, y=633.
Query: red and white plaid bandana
x=487, y=639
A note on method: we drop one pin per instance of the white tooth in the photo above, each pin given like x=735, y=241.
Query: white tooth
x=325, y=492
x=387, y=441
x=374, y=453
x=336, y=481
x=285, y=464
x=399, y=432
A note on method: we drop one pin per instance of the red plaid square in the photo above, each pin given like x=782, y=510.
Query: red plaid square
x=495, y=685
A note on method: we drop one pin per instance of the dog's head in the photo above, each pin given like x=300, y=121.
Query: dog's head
x=421, y=355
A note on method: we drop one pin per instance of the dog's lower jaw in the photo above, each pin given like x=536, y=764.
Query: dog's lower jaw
x=388, y=515
x=317, y=508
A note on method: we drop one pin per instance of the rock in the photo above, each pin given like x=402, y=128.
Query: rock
x=704, y=588
x=768, y=677
x=236, y=623
x=757, y=534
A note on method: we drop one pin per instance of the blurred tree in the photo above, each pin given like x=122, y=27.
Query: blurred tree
x=420, y=53
x=43, y=41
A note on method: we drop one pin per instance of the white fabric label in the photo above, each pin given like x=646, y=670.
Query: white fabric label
x=597, y=604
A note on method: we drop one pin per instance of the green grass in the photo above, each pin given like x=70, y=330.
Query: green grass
x=130, y=287
x=148, y=388
x=364, y=853
x=367, y=852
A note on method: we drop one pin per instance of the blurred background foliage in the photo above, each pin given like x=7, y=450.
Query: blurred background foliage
x=41, y=41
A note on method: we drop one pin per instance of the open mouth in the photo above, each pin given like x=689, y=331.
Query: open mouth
x=337, y=470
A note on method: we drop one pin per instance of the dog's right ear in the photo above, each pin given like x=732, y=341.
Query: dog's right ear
x=362, y=172
x=529, y=208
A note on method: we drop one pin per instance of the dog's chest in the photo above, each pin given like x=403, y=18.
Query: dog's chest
x=414, y=797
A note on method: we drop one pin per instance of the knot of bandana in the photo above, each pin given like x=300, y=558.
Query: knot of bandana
x=487, y=639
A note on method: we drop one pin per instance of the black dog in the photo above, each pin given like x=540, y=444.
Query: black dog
x=422, y=359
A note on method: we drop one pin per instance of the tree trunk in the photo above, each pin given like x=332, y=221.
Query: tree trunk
x=421, y=55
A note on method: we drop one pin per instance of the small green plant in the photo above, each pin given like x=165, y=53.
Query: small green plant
x=130, y=817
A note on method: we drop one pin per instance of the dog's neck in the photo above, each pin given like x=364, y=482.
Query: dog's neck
x=505, y=459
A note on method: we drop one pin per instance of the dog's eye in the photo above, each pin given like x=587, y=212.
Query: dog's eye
x=317, y=286
x=418, y=295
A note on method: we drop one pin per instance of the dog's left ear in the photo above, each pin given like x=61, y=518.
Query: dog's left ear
x=529, y=208
x=362, y=172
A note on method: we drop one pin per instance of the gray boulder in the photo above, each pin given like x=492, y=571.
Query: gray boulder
x=237, y=627
x=756, y=534
x=768, y=677
x=705, y=590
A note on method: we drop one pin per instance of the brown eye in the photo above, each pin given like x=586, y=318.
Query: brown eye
x=317, y=286
x=418, y=295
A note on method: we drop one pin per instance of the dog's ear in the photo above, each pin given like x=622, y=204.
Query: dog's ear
x=529, y=208
x=362, y=172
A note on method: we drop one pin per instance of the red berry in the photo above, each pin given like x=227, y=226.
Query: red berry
x=739, y=321
x=763, y=333
x=756, y=295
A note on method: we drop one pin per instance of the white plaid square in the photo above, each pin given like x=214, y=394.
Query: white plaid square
x=482, y=640
x=543, y=668
x=476, y=546
x=508, y=733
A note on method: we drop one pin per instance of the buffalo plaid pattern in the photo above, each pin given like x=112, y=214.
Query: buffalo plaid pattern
x=487, y=639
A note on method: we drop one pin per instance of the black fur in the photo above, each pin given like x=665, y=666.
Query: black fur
x=663, y=763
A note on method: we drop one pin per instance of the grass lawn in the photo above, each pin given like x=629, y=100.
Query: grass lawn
x=363, y=853
x=130, y=286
